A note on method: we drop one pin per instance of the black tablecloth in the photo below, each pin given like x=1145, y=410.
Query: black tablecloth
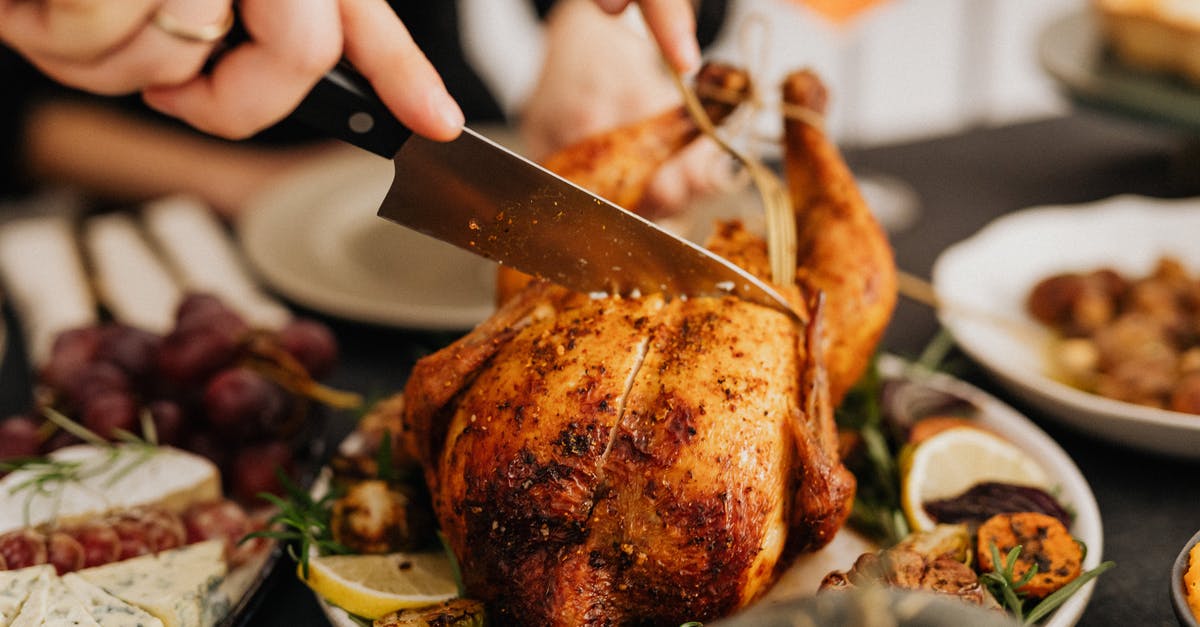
x=1149, y=505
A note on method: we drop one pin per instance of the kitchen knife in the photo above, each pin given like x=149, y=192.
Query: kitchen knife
x=479, y=196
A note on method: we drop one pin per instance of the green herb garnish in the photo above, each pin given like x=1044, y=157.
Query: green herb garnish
x=48, y=477
x=454, y=568
x=1001, y=583
x=383, y=459
x=301, y=520
x=876, y=509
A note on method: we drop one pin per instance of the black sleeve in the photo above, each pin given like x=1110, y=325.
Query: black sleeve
x=434, y=27
x=710, y=17
x=23, y=85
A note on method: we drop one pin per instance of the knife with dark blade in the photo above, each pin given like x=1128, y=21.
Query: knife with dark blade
x=479, y=196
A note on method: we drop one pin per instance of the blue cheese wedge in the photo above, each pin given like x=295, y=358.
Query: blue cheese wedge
x=173, y=586
x=106, y=609
x=34, y=607
x=64, y=609
x=107, y=478
x=15, y=586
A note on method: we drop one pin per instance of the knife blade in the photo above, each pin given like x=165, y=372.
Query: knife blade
x=484, y=198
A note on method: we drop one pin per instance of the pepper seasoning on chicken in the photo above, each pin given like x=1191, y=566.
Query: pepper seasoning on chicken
x=615, y=461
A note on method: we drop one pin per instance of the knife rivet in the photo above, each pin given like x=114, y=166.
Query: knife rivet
x=361, y=122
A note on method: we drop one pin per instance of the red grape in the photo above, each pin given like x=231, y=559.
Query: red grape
x=59, y=440
x=18, y=437
x=186, y=359
x=254, y=469
x=129, y=348
x=205, y=311
x=109, y=411
x=95, y=379
x=197, y=305
x=207, y=444
x=240, y=401
x=101, y=372
x=72, y=350
x=169, y=421
x=312, y=344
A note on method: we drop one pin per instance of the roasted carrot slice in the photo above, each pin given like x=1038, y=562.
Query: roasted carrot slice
x=1045, y=543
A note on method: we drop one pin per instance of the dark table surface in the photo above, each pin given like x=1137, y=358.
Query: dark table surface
x=1150, y=505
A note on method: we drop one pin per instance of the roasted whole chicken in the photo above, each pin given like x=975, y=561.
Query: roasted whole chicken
x=643, y=461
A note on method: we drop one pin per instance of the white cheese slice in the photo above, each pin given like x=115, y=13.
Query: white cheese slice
x=130, y=477
x=34, y=608
x=130, y=278
x=15, y=586
x=64, y=609
x=106, y=609
x=172, y=586
x=45, y=279
x=198, y=248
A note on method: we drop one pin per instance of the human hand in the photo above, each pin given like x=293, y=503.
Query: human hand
x=673, y=25
x=598, y=74
x=125, y=46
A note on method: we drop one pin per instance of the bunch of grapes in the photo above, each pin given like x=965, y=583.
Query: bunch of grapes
x=203, y=386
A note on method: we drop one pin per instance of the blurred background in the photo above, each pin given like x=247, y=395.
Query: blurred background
x=899, y=69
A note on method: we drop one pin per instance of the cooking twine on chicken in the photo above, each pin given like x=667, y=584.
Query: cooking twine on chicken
x=777, y=206
x=781, y=223
x=780, y=219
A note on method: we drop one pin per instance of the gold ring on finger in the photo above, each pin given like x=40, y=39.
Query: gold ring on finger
x=205, y=34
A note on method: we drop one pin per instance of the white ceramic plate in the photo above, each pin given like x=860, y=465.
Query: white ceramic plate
x=1073, y=491
x=804, y=577
x=315, y=239
x=1072, y=53
x=984, y=281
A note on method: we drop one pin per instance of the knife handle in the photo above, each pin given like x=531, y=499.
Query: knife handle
x=343, y=106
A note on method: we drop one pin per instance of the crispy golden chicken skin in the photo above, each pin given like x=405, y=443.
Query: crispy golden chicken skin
x=637, y=461
x=843, y=251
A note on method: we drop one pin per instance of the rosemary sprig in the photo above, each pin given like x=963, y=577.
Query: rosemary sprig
x=1001, y=584
x=1006, y=590
x=301, y=520
x=1058, y=597
x=48, y=477
x=383, y=459
x=455, y=570
x=876, y=507
x=74, y=428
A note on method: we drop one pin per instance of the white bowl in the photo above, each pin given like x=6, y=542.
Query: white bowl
x=1179, y=601
x=984, y=280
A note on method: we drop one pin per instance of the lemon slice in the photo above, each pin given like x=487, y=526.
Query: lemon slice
x=950, y=462
x=374, y=585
